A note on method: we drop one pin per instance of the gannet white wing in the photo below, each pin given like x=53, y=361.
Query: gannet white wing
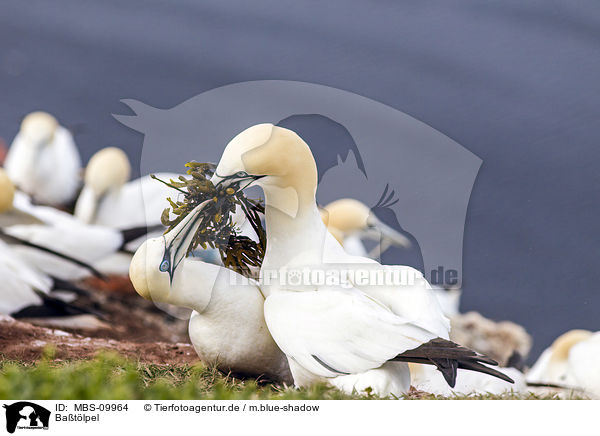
x=19, y=282
x=332, y=332
x=413, y=299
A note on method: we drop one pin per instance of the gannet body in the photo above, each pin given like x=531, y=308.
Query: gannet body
x=20, y=283
x=43, y=160
x=24, y=293
x=227, y=326
x=326, y=331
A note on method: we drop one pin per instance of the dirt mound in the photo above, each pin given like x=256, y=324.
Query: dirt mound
x=25, y=342
x=124, y=322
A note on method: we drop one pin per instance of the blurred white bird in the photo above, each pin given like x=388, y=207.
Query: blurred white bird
x=572, y=361
x=353, y=221
x=58, y=232
x=107, y=198
x=25, y=293
x=330, y=332
x=227, y=326
x=43, y=160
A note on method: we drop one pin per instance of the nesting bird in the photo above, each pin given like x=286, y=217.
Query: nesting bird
x=227, y=326
x=43, y=160
x=339, y=332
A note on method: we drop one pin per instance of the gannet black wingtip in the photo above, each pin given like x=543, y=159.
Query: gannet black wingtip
x=448, y=357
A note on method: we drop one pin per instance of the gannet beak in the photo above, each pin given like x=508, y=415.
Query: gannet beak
x=386, y=235
x=178, y=240
x=238, y=181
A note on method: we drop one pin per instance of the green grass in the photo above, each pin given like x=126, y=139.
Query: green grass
x=111, y=377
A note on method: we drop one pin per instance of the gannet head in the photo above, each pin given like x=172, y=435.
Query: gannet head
x=7, y=192
x=38, y=128
x=272, y=157
x=108, y=168
x=352, y=217
x=563, y=344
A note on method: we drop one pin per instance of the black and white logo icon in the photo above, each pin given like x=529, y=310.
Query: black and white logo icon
x=26, y=415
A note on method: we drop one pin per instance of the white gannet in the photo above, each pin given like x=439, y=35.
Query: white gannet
x=227, y=325
x=572, y=361
x=353, y=221
x=43, y=160
x=108, y=199
x=330, y=332
x=50, y=228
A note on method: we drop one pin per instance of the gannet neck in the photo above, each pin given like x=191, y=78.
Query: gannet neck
x=295, y=232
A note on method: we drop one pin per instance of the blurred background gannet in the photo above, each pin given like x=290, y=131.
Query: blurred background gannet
x=332, y=332
x=57, y=231
x=43, y=160
x=355, y=221
x=25, y=292
x=572, y=361
x=108, y=199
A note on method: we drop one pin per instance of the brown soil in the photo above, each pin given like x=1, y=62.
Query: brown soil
x=129, y=325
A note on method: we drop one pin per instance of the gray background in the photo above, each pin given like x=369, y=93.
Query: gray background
x=514, y=82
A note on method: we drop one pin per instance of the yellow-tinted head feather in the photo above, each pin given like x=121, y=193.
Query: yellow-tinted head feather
x=39, y=127
x=347, y=215
x=108, y=168
x=563, y=344
x=7, y=192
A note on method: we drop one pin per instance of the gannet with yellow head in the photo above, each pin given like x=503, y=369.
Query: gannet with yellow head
x=572, y=361
x=355, y=221
x=43, y=160
x=333, y=332
x=227, y=326
x=110, y=200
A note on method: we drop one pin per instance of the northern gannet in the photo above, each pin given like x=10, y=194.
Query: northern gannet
x=227, y=326
x=353, y=221
x=108, y=199
x=43, y=160
x=333, y=332
x=572, y=361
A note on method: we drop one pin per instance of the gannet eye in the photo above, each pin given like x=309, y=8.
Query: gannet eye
x=241, y=174
x=164, y=266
